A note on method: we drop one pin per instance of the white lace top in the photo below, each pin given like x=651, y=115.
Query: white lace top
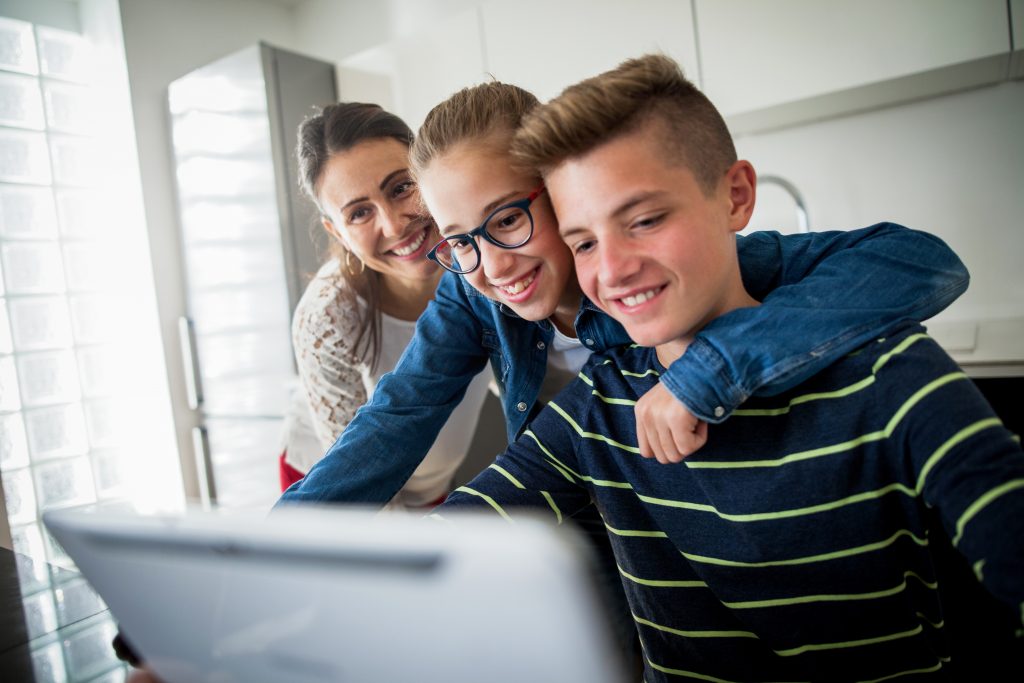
x=335, y=380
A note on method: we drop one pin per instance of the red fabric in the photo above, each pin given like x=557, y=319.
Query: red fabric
x=289, y=475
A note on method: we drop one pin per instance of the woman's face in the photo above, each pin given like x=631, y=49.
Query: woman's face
x=372, y=206
x=461, y=188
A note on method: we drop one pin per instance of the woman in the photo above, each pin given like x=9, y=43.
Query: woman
x=520, y=307
x=358, y=313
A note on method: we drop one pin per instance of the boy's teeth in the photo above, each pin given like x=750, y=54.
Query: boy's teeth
x=517, y=287
x=639, y=298
x=411, y=247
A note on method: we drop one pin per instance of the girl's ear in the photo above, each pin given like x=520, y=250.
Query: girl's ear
x=741, y=180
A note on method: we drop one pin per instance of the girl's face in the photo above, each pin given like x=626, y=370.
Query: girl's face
x=461, y=188
x=371, y=204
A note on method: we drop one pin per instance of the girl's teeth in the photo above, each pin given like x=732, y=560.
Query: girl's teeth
x=411, y=247
x=517, y=287
x=639, y=298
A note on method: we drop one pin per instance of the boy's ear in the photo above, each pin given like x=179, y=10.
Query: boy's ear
x=741, y=181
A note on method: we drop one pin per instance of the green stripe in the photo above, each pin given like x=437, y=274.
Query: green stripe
x=950, y=443
x=645, y=373
x=636, y=533
x=612, y=401
x=551, y=502
x=552, y=460
x=979, y=568
x=590, y=435
x=558, y=464
x=658, y=583
x=505, y=473
x=838, y=393
x=928, y=621
x=694, y=634
x=849, y=643
x=911, y=672
x=842, y=597
x=586, y=379
x=490, y=501
x=849, y=552
x=981, y=503
x=782, y=514
x=840, y=447
x=683, y=672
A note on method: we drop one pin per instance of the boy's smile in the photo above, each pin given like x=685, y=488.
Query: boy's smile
x=651, y=247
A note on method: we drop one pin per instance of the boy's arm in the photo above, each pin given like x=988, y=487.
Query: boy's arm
x=823, y=295
x=389, y=436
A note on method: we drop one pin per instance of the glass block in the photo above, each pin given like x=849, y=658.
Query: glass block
x=118, y=675
x=96, y=318
x=40, y=323
x=252, y=220
x=40, y=614
x=21, y=104
x=216, y=266
x=33, y=268
x=24, y=157
x=65, y=55
x=89, y=653
x=91, y=267
x=86, y=214
x=55, y=432
x=65, y=482
x=76, y=600
x=47, y=378
x=109, y=472
x=10, y=397
x=69, y=108
x=61, y=567
x=75, y=160
x=33, y=572
x=6, y=343
x=27, y=212
x=13, y=445
x=20, y=497
x=101, y=422
x=17, y=46
x=48, y=663
x=98, y=368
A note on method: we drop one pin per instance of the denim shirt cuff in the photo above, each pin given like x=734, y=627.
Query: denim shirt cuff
x=700, y=380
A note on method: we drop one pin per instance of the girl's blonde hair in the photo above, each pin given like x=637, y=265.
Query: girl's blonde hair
x=471, y=114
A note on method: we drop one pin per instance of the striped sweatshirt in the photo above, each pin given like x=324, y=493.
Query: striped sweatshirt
x=794, y=546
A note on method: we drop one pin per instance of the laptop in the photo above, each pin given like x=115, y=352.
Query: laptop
x=338, y=594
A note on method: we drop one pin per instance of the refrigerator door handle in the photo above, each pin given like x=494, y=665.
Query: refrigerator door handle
x=193, y=381
x=204, y=467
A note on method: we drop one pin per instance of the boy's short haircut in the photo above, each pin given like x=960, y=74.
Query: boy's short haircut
x=617, y=102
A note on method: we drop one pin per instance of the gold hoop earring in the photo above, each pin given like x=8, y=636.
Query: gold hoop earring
x=348, y=264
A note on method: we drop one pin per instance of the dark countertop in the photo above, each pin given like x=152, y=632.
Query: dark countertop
x=53, y=627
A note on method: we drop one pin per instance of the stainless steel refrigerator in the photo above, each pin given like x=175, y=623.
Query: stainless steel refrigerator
x=250, y=241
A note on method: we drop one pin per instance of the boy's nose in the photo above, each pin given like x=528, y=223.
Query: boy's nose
x=617, y=262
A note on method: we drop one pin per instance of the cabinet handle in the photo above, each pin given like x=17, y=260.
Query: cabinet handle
x=193, y=380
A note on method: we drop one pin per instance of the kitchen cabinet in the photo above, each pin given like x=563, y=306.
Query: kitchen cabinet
x=1017, y=26
x=411, y=74
x=545, y=46
x=768, y=65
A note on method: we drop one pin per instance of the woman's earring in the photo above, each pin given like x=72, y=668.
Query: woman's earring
x=348, y=264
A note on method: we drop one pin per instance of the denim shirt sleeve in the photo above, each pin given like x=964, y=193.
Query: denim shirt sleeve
x=390, y=435
x=823, y=295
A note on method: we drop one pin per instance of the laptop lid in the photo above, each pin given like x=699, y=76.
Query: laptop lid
x=345, y=595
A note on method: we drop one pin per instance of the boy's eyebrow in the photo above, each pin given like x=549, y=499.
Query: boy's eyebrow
x=383, y=184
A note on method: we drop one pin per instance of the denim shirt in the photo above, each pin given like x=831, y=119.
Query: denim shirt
x=823, y=295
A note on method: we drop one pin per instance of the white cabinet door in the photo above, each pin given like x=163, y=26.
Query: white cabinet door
x=834, y=57
x=545, y=46
x=411, y=74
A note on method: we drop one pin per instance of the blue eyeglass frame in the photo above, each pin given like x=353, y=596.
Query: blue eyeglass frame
x=480, y=231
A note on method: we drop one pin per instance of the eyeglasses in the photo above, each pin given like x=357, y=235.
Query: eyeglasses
x=507, y=227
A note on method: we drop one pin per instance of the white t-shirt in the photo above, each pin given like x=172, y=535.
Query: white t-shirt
x=335, y=380
x=566, y=357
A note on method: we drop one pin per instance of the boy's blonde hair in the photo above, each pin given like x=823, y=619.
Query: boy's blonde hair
x=617, y=102
x=472, y=114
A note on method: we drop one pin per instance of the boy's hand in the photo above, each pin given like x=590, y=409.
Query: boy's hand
x=665, y=429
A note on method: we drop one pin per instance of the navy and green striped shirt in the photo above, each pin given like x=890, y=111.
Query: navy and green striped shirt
x=795, y=544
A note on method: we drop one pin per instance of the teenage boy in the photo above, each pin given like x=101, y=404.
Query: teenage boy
x=794, y=545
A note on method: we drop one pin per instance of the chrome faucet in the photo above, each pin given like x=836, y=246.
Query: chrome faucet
x=802, y=221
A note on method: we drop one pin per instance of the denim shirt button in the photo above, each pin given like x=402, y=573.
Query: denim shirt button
x=719, y=411
x=588, y=342
x=541, y=345
x=521, y=407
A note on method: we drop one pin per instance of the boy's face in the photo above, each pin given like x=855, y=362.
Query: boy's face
x=461, y=188
x=651, y=248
